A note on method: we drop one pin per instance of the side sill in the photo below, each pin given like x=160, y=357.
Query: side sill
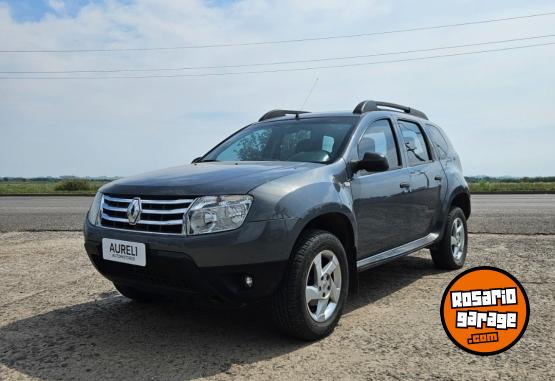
x=397, y=252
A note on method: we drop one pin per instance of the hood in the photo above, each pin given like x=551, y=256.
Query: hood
x=205, y=178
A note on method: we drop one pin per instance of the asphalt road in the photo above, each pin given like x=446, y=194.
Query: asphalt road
x=513, y=214
x=43, y=213
x=505, y=214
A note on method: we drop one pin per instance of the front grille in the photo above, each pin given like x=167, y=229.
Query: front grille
x=158, y=214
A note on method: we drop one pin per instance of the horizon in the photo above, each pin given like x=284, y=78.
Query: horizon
x=69, y=177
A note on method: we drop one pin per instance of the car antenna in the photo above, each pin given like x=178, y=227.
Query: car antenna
x=308, y=96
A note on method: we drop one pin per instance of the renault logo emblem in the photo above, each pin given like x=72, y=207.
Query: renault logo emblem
x=134, y=211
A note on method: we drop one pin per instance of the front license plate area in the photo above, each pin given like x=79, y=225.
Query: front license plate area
x=132, y=253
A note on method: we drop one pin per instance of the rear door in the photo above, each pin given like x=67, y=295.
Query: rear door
x=380, y=198
x=442, y=153
x=426, y=179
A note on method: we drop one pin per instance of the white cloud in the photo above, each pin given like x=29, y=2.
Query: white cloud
x=496, y=107
x=57, y=5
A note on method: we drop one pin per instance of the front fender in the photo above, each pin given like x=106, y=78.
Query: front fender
x=294, y=196
x=323, y=209
x=304, y=196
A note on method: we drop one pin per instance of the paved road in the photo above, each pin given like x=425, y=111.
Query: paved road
x=43, y=213
x=509, y=214
x=513, y=214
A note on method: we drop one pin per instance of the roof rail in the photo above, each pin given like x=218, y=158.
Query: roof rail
x=367, y=106
x=277, y=113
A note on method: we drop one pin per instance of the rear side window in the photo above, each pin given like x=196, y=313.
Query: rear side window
x=438, y=141
x=414, y=142
x=379, y=138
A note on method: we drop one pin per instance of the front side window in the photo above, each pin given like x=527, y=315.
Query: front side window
x=379, y=138
x=415, y=143
x=319, y=140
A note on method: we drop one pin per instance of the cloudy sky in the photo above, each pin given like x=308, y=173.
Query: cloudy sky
x=498, y=107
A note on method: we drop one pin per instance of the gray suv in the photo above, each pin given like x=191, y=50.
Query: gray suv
x=287, y=210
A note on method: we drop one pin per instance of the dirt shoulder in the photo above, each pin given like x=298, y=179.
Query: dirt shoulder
x=59, y=319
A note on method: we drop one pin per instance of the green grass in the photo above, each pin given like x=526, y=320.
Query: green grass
x=494, y=187
x=73, y=185
x=79, y=186
x=50, y=187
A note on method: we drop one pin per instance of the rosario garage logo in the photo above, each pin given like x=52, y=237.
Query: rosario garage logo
x=485, y=310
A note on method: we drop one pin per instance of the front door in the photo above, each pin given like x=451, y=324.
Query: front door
x=380, y=199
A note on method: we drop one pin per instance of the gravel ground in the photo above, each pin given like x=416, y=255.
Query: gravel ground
x=60, y=320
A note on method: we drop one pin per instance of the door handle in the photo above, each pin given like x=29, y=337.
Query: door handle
x=438, y=178
x=404, y=184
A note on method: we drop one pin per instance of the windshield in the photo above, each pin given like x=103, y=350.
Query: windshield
x=319, y=140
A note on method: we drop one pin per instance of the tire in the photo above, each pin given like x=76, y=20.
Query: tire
x=136, y=295
x=448, y=254
x=313, y=319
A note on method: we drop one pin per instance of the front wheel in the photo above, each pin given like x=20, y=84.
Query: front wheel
x=310, y=300
x=450, y=253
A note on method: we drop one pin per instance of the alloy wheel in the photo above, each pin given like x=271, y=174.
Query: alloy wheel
x=323, y=286
x=457, y=239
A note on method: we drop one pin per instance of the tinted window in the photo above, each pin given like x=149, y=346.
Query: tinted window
x=313, y=139
x=438, y=141
x=379, y=138
x=415, y=143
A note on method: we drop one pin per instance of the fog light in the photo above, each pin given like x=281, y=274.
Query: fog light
x=248, y=281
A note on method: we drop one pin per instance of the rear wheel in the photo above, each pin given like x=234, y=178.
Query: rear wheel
x=450, y=253
x=310, y=300
x=136, y=295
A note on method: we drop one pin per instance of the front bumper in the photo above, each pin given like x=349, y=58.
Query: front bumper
x=214, y=264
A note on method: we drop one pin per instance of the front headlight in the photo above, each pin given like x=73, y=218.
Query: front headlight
x=212, y=214
x=94, y=211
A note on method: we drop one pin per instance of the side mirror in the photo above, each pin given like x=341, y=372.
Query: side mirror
x=371, y=162
x=196, y=160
